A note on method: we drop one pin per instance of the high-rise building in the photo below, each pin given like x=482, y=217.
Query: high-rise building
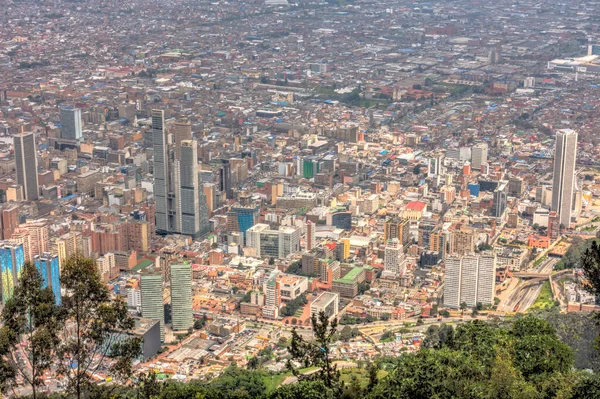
x=479, y=155
x=180, y=203
x=394, y=257
x=10, y=220
x=68, y=245
x=211, y=196
x=164, y=188
x=225, y=179
x=70, y=123
x=152, y=299
x=47, y=265
x=26, y=165
x=271, y=290
x=189, y=189
x=310, y=235
x=182, y=131
x=500, y=199
x=470, y=279
x=181, y=296
x=397, y=228
x=12, y=260
x=241, y=218
x=565, y=155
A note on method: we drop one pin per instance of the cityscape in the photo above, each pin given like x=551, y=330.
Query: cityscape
x=236, y=171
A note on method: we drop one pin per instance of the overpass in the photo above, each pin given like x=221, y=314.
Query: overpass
x=531, y=275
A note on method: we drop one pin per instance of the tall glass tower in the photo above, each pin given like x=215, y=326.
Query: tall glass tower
x=152, y=299
x=47, y=265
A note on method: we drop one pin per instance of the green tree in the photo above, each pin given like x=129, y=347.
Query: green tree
x=315, y=353
x=29, y=336
x=590, y=263
x=463, y=307
x=236, y=382
x=94, y=328
x=302, y=390
x=373, y=378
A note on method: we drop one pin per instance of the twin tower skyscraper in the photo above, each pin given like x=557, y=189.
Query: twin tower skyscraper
x=181, y=206
x=565, y=155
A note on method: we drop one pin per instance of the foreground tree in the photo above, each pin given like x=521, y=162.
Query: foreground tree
x=590, y=263
x=315, y=353
x=95, y=328
x=29, y=336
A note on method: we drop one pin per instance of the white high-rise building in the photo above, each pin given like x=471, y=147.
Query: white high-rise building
x=479, y=155
x=181, y=297
x=271, y=291
x=134, y=299
x=151, y=287
x=565, y=155
x=394, y=261
x=470, y=279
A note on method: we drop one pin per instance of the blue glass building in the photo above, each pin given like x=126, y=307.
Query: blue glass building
x=247, y=216
x=12, y=260
x=47, y=265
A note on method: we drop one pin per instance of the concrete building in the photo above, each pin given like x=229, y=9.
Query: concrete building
x=479, y=155
x=276, y=244
x=564, y=175
x=26, y=165
x=271, y=291
x=327, y=302
x=71, y=127
x=394, y=257
x=181, y=296
x=151, y=287
x=470, y=279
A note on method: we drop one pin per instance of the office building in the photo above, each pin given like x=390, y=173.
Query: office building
x=151, y=287
x=565, y=155
x=327, y=302
x=182, y=131
x=394, y=257
x=479, y=156
x=500, y=199
x=181, y=297
x=272, y=295
x=397, y=228
x=225, y=179
x=12, y=260
x=277, y=244
x=47, y=265
x=189, y=189
x=164, y=185
x=70, y=124
x=26, y=165
x=310, y=235
x=470, y=279
x=181, y=206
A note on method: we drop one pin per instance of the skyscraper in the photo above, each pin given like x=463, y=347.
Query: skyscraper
x=225, y=179
x=180, y=202
x=165, y=217
x=565, y=155
x=70, y=124
x=12, y=260
x=182, y=131
x=152, y=299
x=479, y=155
x=26, y=164
x=181, y=296
x=47, y=265
x=189, y=189
x=500, y=199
